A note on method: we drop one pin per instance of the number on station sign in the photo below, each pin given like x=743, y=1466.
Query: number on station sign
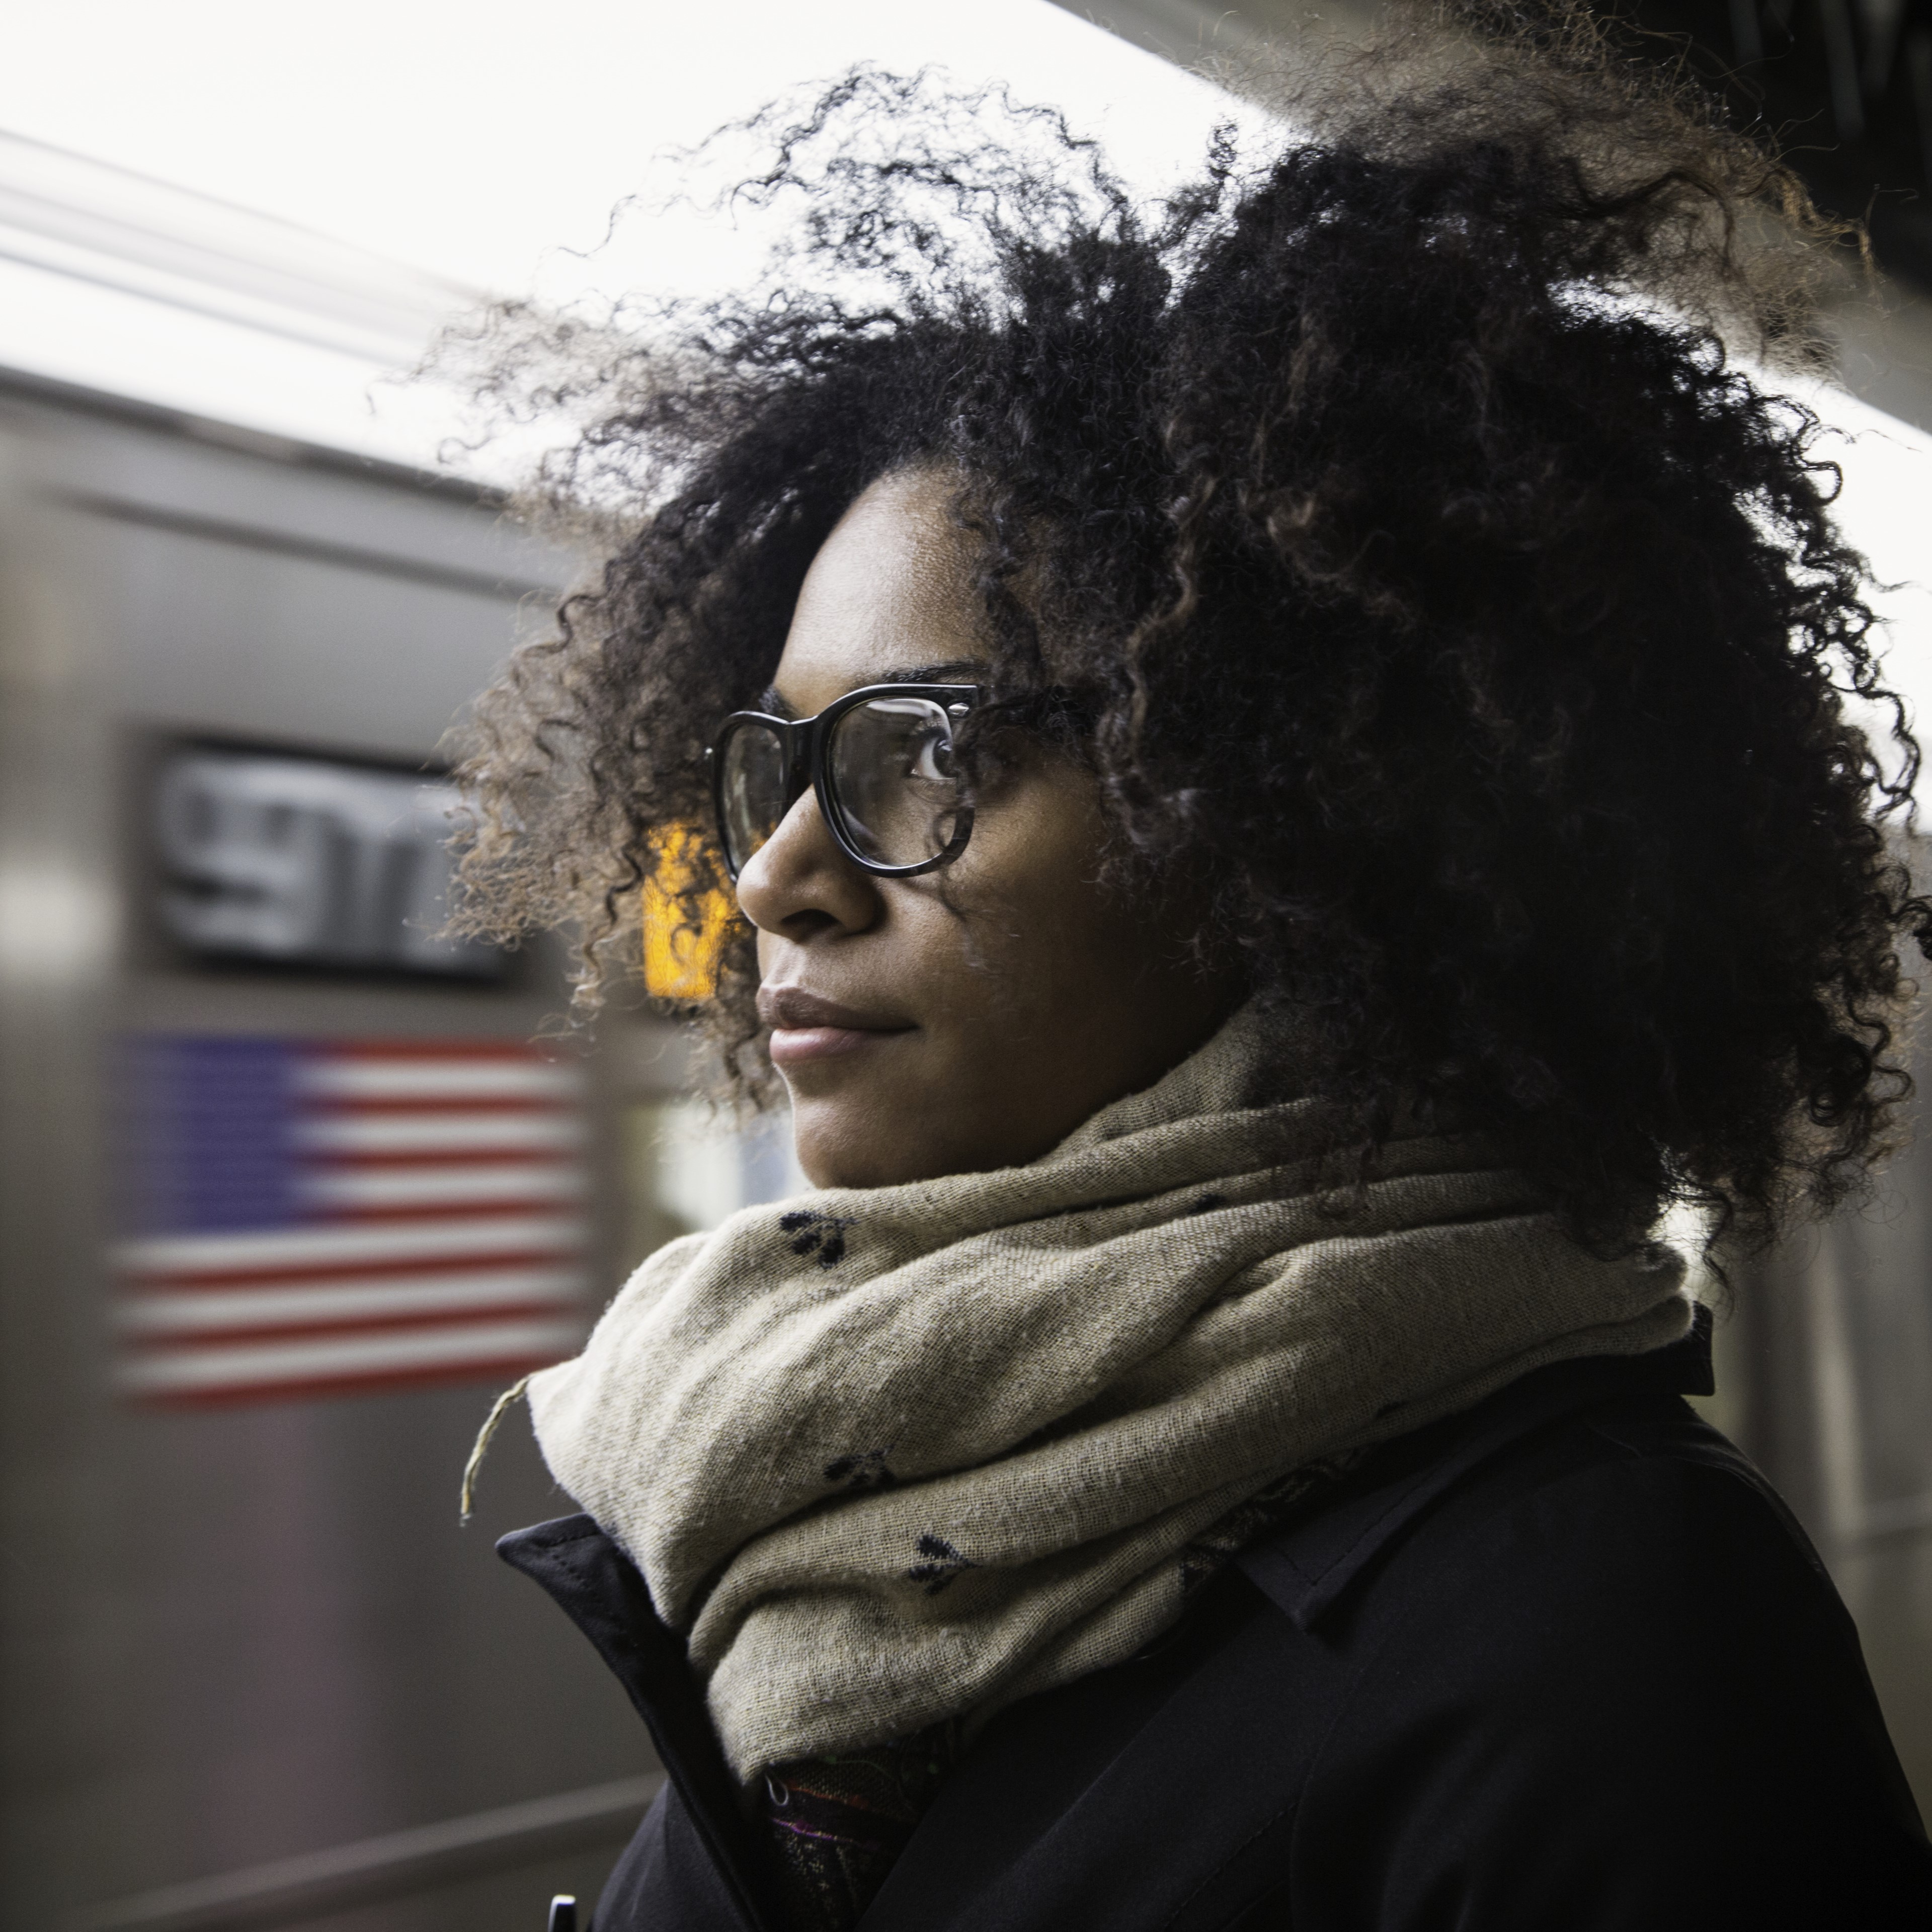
x=308, y=861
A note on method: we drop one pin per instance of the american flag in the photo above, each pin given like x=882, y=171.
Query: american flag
x=324, y=1217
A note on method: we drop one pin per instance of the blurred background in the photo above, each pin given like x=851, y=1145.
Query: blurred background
x=289, y=1187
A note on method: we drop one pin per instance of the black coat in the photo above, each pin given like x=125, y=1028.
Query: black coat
x=1563, y=1664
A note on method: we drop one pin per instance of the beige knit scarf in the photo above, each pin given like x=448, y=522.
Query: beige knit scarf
x=891, y=1455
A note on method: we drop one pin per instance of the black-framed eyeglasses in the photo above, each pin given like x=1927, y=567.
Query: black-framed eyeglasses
x=881, y=761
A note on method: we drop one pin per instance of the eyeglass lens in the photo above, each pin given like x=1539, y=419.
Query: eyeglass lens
x=890, y=774
x=893, y=780
x=753, y=791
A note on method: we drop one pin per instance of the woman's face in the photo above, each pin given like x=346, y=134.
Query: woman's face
x=972, y=1017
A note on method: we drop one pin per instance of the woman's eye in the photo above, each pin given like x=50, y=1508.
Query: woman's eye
x=932, y=759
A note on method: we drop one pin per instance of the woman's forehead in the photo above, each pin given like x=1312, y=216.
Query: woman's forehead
x=889, y=597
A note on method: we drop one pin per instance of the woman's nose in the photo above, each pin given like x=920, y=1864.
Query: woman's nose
x=799, y=882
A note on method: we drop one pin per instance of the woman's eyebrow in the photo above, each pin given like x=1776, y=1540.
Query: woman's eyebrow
x=961, y=670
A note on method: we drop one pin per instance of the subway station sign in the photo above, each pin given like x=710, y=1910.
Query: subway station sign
x=306, y=861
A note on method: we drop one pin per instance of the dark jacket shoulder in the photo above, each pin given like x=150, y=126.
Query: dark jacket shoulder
x=1604, y=1681
x=1564, y=1660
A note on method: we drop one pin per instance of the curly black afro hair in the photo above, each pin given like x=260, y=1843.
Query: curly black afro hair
x=1447, y=607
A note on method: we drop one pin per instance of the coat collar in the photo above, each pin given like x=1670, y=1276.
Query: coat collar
x=599, y=1588
x=1310, y=1565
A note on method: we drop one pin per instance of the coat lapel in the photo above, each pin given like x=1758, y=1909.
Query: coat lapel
x=599, y=1588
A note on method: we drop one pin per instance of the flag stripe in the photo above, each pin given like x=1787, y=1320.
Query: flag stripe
x=321, y=1106
x=212, y=1341
x=176, y=1311
x=341, y=1356
x=517, y=1052
x=350, y=1162
x=393, y=1079
x=333, y=1189
x=448, y=1240
x=239, y=1283
x=406, y=1211
x=397, y=1135
x=363, y=1381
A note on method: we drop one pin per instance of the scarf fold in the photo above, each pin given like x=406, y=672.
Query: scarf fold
x=891, y=1456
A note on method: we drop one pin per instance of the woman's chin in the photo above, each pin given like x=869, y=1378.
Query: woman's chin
x=849, y=1140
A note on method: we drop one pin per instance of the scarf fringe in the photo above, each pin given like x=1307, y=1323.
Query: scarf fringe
x=473, y=1467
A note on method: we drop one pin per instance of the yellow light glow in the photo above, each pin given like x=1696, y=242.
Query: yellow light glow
x=681, y=955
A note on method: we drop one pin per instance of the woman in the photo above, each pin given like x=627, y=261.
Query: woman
x=1284, y=763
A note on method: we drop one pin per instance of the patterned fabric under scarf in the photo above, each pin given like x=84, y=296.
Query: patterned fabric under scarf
x=838, y=1825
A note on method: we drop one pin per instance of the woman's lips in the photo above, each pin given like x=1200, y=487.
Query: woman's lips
x=792, y=1046
x=807, y=1026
